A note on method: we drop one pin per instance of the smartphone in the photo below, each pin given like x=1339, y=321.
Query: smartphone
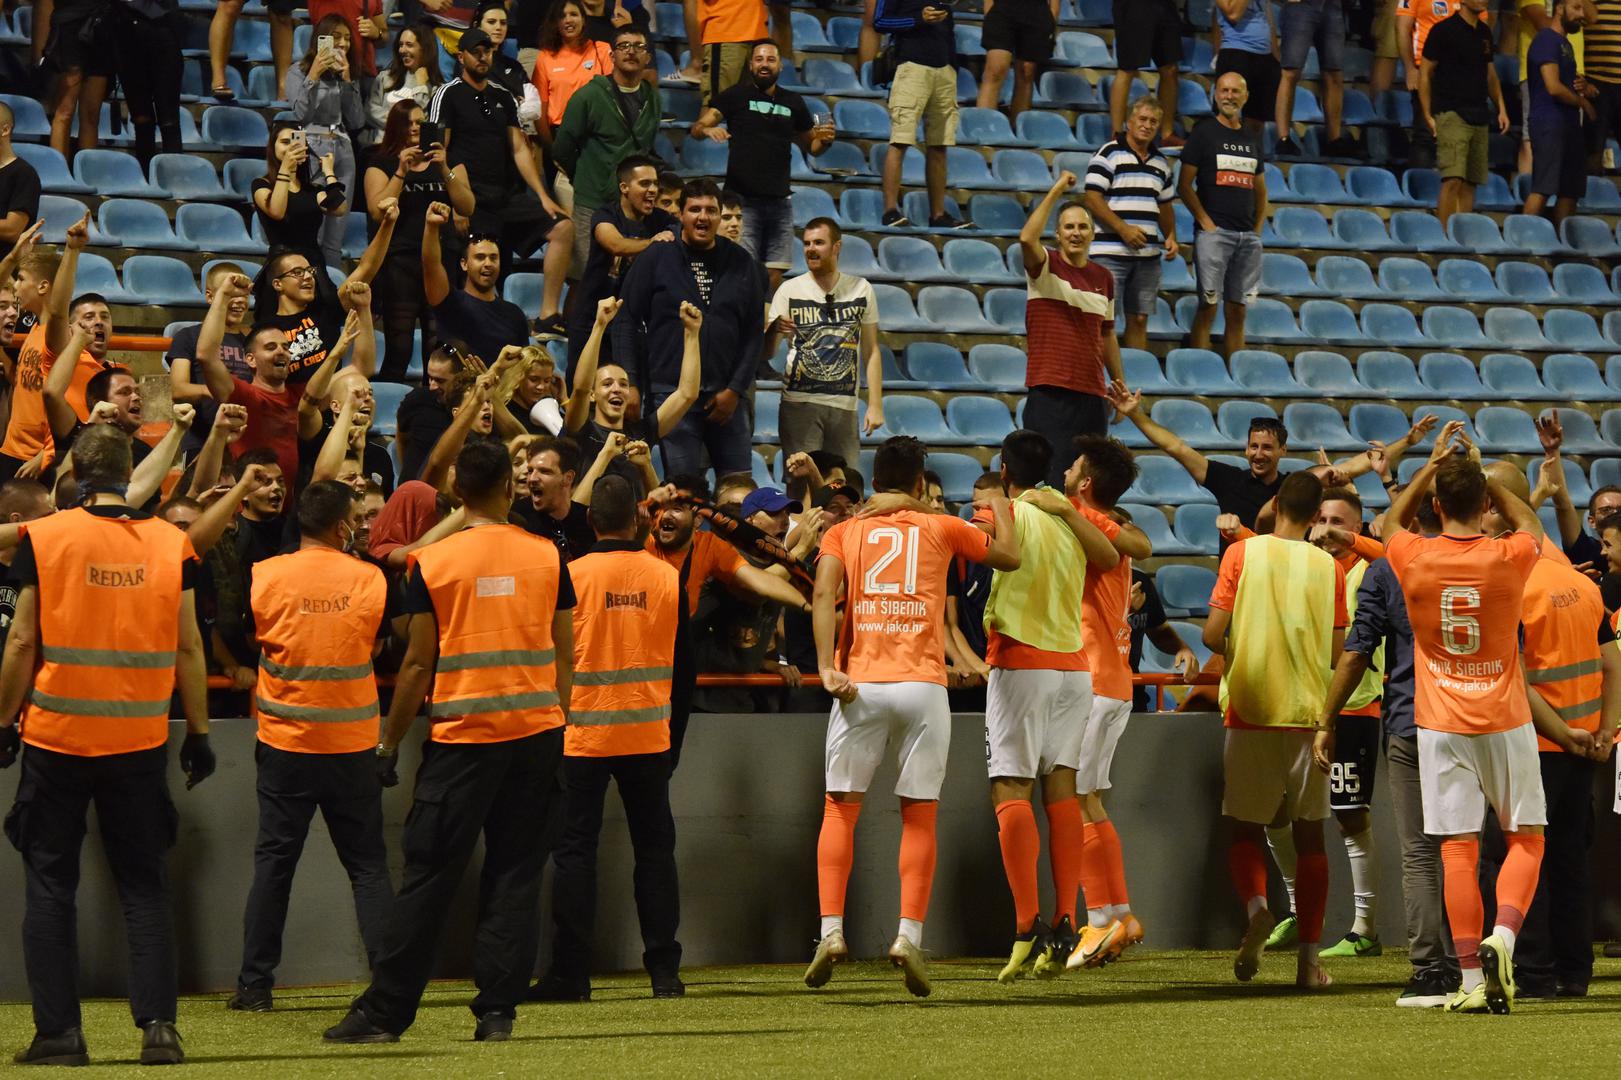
x=299, y=136
x=429, y=135
x=325, y=43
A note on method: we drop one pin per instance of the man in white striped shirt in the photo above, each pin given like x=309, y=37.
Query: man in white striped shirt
x=1128, y=191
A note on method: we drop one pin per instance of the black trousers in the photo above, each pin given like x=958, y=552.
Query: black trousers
x=1556, y=942
x=1061, y=415
x=520, y=221
x=644, y=788
x=138, y=827
x=683, y=684
x=291, y=788
x=502, y=791
x=149, y=70
x=403, y=308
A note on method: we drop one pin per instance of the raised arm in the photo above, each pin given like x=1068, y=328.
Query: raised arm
x=1404, y=507
x=146, y=480
x=371, y=260
x=436, y=471
x=1129, y=404
x=578, y=410
x=217, y=515
x=61, y=297
x=329, y=462
x=57, y=410
x=212, y=333
x=771, y=587
x=435, y=282
x=1030, y=246
x=320, y=381
x=612, y=447
x=686, y=392
x=229, y=423
x=1003, y=554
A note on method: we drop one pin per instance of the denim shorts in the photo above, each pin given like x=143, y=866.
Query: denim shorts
x=768, y=230
x=1305, y=23
x=1227, y=263
x=1136, y=281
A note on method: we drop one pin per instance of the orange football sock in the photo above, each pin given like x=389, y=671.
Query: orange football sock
x=1094, y=873
x=1311, y=895
x=917, y=858
x=1021, y=852
x=835, y=853
x=1114, y=863
x=1517, y=880
x=1466, y=912
x=1065, y=835
x=1247, y=867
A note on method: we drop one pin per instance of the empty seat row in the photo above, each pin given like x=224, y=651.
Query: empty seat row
x=223, y=127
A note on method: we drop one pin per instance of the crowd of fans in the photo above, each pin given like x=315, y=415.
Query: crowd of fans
x=469, y=156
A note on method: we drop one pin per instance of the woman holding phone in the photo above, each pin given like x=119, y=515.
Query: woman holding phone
x=325, y=100
x=290, y=207
x=409, y=165
x=414, y=75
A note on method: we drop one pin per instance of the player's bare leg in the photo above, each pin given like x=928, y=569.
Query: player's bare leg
x=835, y=855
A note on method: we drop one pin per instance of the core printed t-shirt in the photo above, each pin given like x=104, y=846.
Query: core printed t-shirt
x=895, y=570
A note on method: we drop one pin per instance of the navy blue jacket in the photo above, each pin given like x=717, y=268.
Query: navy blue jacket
x=917, y=42
x=1381, y=617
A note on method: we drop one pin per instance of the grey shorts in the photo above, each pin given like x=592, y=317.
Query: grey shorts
x=1136, y=281
x=768, y=230
x=1307, y=23
x=1227, y=264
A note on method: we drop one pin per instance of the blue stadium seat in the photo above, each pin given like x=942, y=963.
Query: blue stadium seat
x=1331, y=322
x=809, y=35
x=894, y=377
x=1377, y=423
x=188, y=178
x=1004, y=310
x=1067, y=90
x=238, y=176
x=52, y=169
x=1161, y=481
x=1199, y=372
x=966, y=167
x=861, y=119
x=1469, y=281
x=1349, y=277
x=911, y=258
x=1143, y=373
x=839, y=160
x=681, y=106
x=1506, y=430
x=1163, y=323
x=1606, y=473
x=262, y=86
x=1362, y=230
x=976, y=261
x=1271, y=321
x=1328, y=375
x=1455, y=327
x=386, y=398
x=982, y=420
x=1195, y=527
x=212, y=227
x=1082, y=50
x=813, y=202
x=1375, y=186
x=60, y=211
x=1392, y=325
x=1371, y=491
x=957, y=473
x=986, y=127
x=1581, y=492
x=1152, y=522
x=114, y=172
x=907, y=414
x=1391, y=375
x=1495, y=195
x=1185, y=589
x=1577, y=377
x=524, y=289
x=996, y=215
x=1479, y=234
x=1319, y=184
x=999, y=367
x=1409, y=279
x=1286, y=275
x=844, y=33
x=1612, y=324
x=28, y=117
x=1580, y=283
x=1046, y=129
x=1304, y=227
x=915, y=205
x=1451, y=377
x=1176, y=277
x=1514, y=328
x=1422, y=186
x=1277, y=186
x=1601, y=198
x=1512, y=377
x=1313, y=424
x=159, y=279
x=1589, y=236
x=1532, y=234
x=767, y=410
x=1092, y=130
x=234, y=128
x=1122, y=429
x=1444, y=414
x=1414, y=230
x=1192, y=422
x=135, y=224
x=704, y=157
x=1022, y=169
x=1233, y=419
x=1573, y=331
x=1525, y=283
x=98, y=275
x=758, y=467
x=1583, y=437
x=895, y=311
x=1260, y=373
x=1192, y=99
x=968, y=43
x=939, y=367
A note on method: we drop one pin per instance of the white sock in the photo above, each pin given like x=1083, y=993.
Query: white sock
x=1472, y=978
x=1364, y=873
x=1282, y=842
x=912, y=930
x=1119, y=911
x=1308, y=955
x=1508, y=936
x=1097, y=917
x=832, y=923
x=1256, y=904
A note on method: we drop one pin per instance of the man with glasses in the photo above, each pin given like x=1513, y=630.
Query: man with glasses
x=830, y=320
x=481, y=131
x=607, y=120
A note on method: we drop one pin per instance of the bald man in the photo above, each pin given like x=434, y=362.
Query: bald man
x=376, y=462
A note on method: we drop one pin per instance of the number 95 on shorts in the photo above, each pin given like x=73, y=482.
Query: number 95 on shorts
x=1356, y=760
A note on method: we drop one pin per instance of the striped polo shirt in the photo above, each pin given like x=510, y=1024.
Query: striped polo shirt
x=1603, y=42
x=1135, y=188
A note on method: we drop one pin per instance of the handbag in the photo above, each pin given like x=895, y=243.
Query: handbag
x=885, y=64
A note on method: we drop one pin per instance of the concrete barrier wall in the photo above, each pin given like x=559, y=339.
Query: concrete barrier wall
x=748, y=802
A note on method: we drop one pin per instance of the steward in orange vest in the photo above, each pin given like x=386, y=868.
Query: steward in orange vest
x=628, y=605
x=317, y=611
x=491, y=631
x=105, y=630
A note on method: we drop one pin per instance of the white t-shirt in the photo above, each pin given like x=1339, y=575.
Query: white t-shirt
x=824, y=357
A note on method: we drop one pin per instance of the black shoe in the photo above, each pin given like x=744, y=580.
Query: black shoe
x=160, y=1044
x=947, y=221
x=1571, y=990
x=1538, y=989
x=493, y=1027
x=1612, y=951
x=1343, y=147
x=357, y=1028
x=669, y=986
x=67, y=1048
x=551, y=328
x=1287, y=148
x=551, y=987
x=255, y=1000
x=893, y=219
x=1427, y=990
x=1064, y=941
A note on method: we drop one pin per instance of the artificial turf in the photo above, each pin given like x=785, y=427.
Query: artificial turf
x=1173, y=1014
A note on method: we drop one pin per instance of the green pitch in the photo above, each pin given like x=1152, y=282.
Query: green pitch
x=1153, y=1014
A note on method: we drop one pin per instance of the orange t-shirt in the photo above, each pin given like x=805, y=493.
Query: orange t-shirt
x=1105, y=606
x=1563, y=609
x=558, y=74
x=727, y=21
x=711, y=557
x=1465, y=596
x=895, y=592
x=30, y=429
x=1012, y=654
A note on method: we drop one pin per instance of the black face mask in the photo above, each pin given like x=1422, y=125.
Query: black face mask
x=765, y=82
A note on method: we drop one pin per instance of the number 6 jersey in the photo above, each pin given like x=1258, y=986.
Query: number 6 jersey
x=895, y=568
x=1464, y=598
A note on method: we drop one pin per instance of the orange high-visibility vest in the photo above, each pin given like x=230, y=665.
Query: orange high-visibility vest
x=317, y=611
x=1563, y=662
x=494, y=591
x=109, y=627
x=627, y=606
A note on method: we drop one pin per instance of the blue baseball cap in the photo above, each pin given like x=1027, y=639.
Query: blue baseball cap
x=770, y=500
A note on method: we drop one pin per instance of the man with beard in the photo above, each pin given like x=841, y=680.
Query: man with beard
x=552, y=512
x=475, y=313
x=262, y=528
x=618, y=234
x=767, y=121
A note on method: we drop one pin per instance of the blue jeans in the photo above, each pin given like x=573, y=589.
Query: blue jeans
x=1307, y=23
x=768, y=230
x=728, y=445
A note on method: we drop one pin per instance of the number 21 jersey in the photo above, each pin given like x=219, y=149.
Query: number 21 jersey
x=1464, y=598
x=895, y=570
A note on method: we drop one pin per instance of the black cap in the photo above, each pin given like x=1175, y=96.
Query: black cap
x=833, y=491
x=474, y=39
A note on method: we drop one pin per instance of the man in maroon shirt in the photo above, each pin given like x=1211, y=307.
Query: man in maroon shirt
x=1069, y=328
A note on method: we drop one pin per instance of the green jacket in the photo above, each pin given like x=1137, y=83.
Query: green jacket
x=593, y=138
